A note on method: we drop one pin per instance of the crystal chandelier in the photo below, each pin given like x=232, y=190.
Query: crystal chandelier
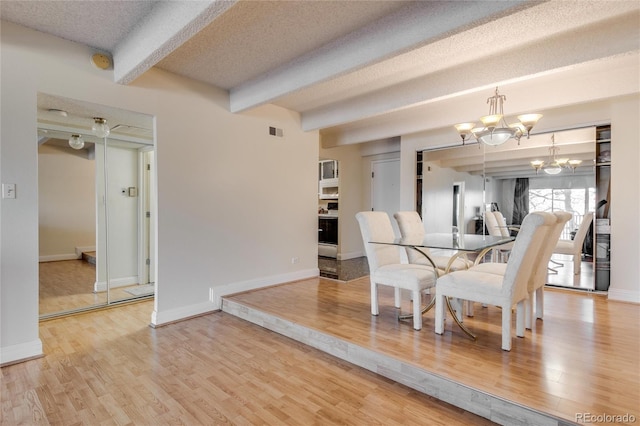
x=495, y=130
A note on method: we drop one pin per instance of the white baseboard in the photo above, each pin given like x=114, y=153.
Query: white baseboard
x=21, y=352
x=182, y=313
x=623, y=295
x=352, y=255
x=216, y=293
x=56, y=257
x=117, y=282
x=80, y=250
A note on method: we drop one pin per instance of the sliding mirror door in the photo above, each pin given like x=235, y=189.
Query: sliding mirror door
x=503, y=178
x=95, y=211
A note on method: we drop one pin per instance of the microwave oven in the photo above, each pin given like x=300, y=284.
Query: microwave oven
x=328, y=189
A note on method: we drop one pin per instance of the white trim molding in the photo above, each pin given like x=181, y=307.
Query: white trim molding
x=99, y=286
x=21, y=352
x=623, y=295
x=216, y=293
x=57, y=257
x=159, y=318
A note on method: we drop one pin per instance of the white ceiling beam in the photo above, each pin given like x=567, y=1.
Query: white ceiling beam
x=595, y=42
x=411, y=27
x=585, y=83
x=167, y=27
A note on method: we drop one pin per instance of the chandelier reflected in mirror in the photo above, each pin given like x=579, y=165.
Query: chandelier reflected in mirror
x=555, y=165
x=495, y=130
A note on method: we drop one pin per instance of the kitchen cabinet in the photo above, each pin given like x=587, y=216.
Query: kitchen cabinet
x=328, y=182
x=327, y=169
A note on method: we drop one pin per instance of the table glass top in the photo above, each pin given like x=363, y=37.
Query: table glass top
x=465, y=242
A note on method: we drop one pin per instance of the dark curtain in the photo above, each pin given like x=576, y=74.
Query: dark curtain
x=520, y=201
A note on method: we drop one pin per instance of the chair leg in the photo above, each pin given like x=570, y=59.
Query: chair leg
x=439, y=313
x=540, y=302
x=397, y=297
x=528, y=311
x=506, y=327
x=520, y=318
x=577, y=260
x=374, y=299
x=469, y=308
x=417, y=310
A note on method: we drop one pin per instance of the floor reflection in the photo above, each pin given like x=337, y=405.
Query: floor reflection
x=564, y=277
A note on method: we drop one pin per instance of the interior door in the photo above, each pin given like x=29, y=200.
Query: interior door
x=385, y=187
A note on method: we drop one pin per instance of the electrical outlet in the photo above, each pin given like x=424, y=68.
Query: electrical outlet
x=295, y=260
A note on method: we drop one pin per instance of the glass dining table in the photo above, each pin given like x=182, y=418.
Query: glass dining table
x=461, y=244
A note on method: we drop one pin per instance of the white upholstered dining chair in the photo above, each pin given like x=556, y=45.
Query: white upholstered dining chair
x=505, y=290
x=574, y=247
x=412, y=229
x=536, y=285
x=538, y=279
x=385, y=267
x=497, y=227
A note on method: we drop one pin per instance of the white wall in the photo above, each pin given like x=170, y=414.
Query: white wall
x=437, y=197
x=66, y=202
x=235, y=204
x=625, y=200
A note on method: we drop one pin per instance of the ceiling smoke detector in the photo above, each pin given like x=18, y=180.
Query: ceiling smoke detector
x=101, y=61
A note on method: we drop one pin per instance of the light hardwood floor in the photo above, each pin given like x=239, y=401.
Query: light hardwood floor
x=68, y=284
x=110, y=367
x=583, y=358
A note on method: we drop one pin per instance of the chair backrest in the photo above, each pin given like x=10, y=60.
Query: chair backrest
x=376, y=226
x=524, y=256
x=492, y=224
x=411, y=229
x=578, y=240
x=549, y=244
x=502, y=224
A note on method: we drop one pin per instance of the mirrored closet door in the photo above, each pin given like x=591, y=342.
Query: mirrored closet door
x=96, y=197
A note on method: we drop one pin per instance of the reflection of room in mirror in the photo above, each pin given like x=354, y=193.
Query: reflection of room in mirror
x=501, y=178
x=78, y=171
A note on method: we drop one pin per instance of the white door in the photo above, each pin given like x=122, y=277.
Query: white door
x=385, y=187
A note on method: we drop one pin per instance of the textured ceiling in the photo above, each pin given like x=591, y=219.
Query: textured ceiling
x=361, y=71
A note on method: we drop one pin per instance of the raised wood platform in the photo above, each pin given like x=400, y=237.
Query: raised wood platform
x=581, y=359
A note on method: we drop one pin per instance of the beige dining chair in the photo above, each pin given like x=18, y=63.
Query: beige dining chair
x=412, y=229
x=385, y=267
x=497, y=227
x=574, y=247
x=536, y=283
x=505, y=290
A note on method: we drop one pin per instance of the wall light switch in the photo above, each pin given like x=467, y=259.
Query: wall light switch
x=8, y=190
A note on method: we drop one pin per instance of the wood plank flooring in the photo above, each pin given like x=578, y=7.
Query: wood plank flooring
x=583, y=358
x=67, y=285
x=109, y=367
